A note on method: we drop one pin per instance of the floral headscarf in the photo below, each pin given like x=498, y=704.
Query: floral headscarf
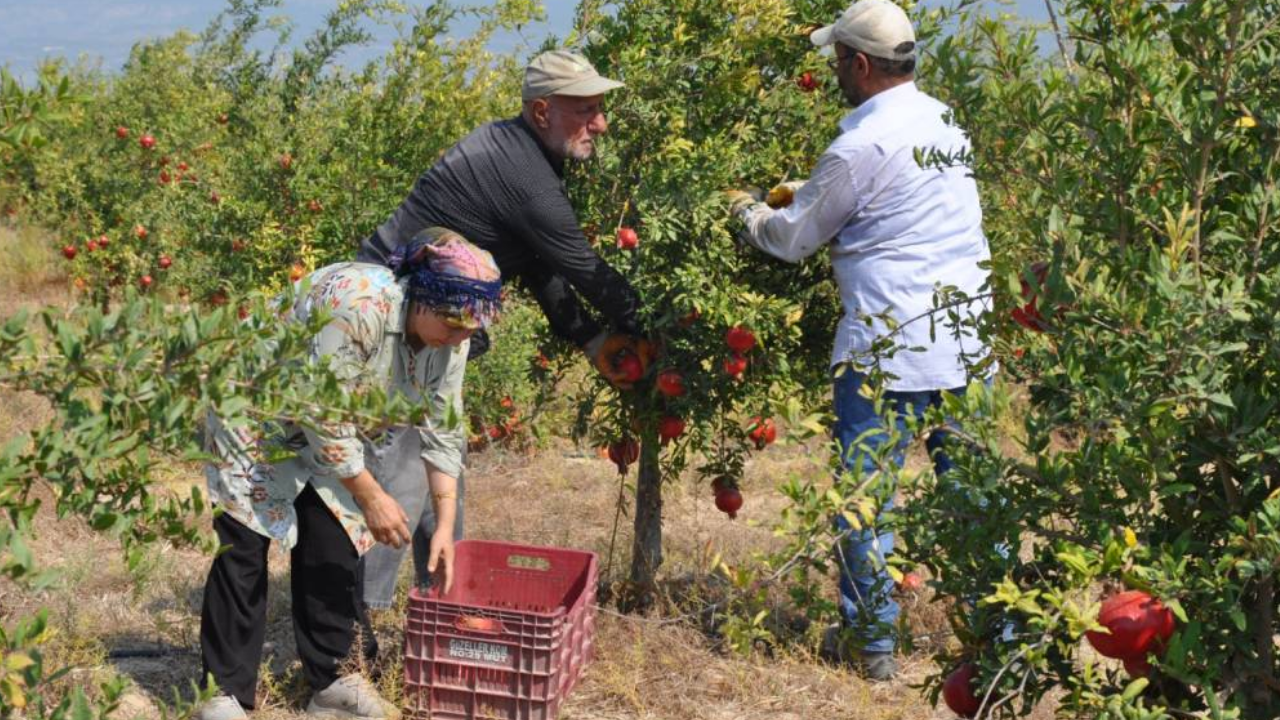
x=451, y=276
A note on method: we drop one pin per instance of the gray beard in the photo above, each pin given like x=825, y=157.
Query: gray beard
x=568, y=153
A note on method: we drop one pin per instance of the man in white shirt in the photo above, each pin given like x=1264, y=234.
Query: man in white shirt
x=898, y=232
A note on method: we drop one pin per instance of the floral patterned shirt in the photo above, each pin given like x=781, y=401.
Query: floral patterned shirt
x=366, y=344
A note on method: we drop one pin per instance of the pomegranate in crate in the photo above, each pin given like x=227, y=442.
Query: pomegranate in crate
x=508, y=641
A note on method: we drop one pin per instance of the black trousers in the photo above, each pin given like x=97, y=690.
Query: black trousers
x=328, y=604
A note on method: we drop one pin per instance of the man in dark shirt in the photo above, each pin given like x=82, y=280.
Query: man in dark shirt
x=502, y=188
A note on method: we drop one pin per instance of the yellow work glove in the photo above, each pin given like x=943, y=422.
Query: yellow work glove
x=742, y=198
x=783, y=194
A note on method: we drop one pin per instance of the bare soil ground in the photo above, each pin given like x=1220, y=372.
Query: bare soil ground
x=143, y=622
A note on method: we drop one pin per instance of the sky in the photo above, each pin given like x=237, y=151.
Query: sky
x=105, y=31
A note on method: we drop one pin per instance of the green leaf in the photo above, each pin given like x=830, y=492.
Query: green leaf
x=105, y=521
x=1076, y=562
x=80, y=708
x=1222, y=399
x=1238, y=617
x=18, y=661
x=12, y=692
x=1134, y=689
x=1175, y=489
x=22, y=556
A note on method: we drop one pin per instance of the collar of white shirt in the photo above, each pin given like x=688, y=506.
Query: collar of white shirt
x=880, y=100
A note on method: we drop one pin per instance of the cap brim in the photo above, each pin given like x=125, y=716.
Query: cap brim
x=823, y=35
x=591, y=86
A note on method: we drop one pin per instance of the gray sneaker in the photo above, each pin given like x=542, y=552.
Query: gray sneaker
x=351, y=697
x=877, y=666
x=874, y=666
x=221, y=707
x=835, y=649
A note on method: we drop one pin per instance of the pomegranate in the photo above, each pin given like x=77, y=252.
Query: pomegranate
x=763, y=432
x=147, y=142
x=624, y=452
x=671, y=383
x=735, y=365
x=958, y=692
x=1138, y=624
x=629, y=366
x=912, y=582
x=740, y=339
x=729, y=501
x=628, y=239
x=1028, y=315
x=1137, y=667
x=670, y=427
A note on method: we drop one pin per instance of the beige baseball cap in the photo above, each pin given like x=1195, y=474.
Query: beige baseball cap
x=876, y=27
x=560, y=72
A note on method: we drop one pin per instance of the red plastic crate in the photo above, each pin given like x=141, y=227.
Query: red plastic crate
x=508, y=642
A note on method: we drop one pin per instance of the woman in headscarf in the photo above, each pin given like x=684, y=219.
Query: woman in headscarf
x=404, y=329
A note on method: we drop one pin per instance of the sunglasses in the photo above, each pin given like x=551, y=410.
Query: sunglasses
x=454, y=319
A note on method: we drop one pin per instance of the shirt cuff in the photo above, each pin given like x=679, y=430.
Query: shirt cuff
x=753, y=217
x=443, y=452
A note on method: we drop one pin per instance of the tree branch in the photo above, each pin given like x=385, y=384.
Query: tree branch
x=1057, y=34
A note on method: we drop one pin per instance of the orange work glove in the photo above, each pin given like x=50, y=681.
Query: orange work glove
x=622, y=359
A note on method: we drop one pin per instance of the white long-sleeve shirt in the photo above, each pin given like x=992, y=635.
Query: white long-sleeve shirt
x=898, y=232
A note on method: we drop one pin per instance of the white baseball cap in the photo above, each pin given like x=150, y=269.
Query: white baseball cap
x=560, y=72
x=876, y=27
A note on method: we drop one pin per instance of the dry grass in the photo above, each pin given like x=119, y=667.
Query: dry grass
x=143, y=623
x=30, y=274
x=29, y=280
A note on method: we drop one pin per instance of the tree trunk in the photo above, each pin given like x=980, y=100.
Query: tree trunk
x=646, y=549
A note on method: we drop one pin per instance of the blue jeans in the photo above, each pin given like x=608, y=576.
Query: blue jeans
x=866, y=590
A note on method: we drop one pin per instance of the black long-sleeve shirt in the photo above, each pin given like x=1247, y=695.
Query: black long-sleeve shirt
x=501, y=188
